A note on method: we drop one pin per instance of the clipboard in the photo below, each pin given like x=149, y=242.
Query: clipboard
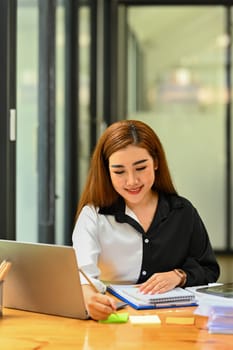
x=178, y=297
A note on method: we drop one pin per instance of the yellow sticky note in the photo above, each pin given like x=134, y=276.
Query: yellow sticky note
x=180, y=320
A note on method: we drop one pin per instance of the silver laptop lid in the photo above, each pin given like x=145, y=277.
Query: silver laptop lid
x=43, y=278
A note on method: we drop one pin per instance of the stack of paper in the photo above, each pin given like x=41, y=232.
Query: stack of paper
x=216, y=302
x=206, y=301
x=221, y=320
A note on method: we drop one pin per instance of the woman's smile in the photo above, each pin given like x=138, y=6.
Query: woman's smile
x=134, y=190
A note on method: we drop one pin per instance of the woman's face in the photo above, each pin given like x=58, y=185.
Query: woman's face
x=132, y=172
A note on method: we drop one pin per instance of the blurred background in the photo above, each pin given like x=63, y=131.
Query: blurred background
x=70, y=68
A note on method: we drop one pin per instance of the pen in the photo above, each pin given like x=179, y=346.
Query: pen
x=2, y=265
x=88, y=280
x=4, y=268
x=118, y=306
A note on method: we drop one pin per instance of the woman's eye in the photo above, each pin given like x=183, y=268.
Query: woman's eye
x=141, y=168
x=119, y=172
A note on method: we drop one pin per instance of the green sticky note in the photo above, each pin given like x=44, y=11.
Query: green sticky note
x=116, y=318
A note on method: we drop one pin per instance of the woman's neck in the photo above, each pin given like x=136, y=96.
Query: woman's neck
x=145, y=210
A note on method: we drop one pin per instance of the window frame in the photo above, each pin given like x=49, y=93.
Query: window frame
x=8, y=23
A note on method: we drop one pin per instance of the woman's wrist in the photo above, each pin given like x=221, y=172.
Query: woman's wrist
x=182, y=275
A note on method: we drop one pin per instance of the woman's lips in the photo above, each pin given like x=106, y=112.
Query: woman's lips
x=134, y=190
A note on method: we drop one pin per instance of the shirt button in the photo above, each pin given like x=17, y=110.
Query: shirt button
x=144, y=273
x=146, y=240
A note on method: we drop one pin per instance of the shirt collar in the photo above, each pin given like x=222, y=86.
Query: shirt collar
x=167, y=202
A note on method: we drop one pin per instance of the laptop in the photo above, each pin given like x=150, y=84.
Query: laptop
x=43, y=278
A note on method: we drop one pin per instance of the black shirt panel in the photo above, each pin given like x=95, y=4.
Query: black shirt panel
x=176, y=238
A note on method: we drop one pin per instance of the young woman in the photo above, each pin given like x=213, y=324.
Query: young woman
x=132, y=226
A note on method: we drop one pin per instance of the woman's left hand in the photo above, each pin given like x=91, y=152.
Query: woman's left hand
x=160, y=282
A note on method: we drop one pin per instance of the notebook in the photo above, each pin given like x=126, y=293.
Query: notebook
x=43, y=278
x=178, y=297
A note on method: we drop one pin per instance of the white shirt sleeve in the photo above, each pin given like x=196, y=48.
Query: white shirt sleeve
x=106, y=250
x=87, y=247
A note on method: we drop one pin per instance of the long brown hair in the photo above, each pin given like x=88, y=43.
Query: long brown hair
x=98, y=189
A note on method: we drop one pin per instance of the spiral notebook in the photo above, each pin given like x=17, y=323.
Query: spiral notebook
x=177, y=297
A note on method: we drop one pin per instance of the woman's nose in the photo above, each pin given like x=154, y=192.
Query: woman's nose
x=132, y=179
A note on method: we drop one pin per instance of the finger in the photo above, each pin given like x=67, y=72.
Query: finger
x=108, y=301
x=99, y=311
x=147, y=283
x=97, y=315
x=151, y=283
x=161, y=287
x=105, y=304
x=156, y=287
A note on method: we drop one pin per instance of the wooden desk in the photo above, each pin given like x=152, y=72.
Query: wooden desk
x=27, y=330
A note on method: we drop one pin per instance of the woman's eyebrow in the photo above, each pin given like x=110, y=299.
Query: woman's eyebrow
x=140, y=161
x=117, y=166
x=135, y=163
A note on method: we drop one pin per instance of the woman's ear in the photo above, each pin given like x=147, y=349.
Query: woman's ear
x=156, y=164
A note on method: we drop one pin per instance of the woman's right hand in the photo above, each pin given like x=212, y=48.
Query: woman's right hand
x=99, y=306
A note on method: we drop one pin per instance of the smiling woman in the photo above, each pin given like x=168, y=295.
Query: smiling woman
x=130, y=218
x=132, y=172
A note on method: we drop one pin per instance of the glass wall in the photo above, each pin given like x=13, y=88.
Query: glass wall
x=28, y=127
x=84, y=93
x=69, y=131
x=60, y=122
x=27, y=121
x=176, y=60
